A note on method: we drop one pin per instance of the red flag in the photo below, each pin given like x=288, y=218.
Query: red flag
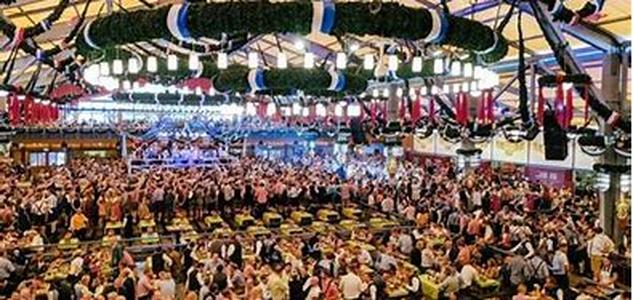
x=432, y=108
x=415, y=110
x=559, y=105
x=490, y=105
x=540, y=109
x=372, y=109
x=458, y=108
x=27, y=108
x=465, y=108
x=585, y=96
x=569, y=107
x=481, y=108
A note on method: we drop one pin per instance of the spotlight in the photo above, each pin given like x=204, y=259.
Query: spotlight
x=412, y=92
x=368, y=62
x=223, y=61
x=104, y=69
x=132, y=65
x=478, y=72
x=375, y=93
x=308, y=60
x=438, y=66
x=465, y=86
x=353, y=110
x=117, y=67
x=271, y=109
x=172, y=62
x=253, y=60
x=456, y=68
x=392, y=63
x=194, y=61
x=296, y=109
x=152, y=64
x=282, y=60
x=338, y=110
x=341, y=61
x=416, y=66
x=468, y=70
x=320, y=110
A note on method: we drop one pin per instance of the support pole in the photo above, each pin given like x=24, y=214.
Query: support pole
x=613, y=89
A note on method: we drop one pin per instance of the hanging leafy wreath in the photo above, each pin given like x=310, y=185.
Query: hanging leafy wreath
x=214, y=19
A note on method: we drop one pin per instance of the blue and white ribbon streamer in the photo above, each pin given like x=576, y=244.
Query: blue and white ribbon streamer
x=439, y=27
x=338, y=82
x=177, y=22
x=558, y=6
x=87, y=38
x=39, y=54
x=494, y=45
x=46, y=25
x=323, y=15
x=599, y=4
x=256, y=80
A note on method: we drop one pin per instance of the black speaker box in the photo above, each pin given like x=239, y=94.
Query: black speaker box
x=554, y=138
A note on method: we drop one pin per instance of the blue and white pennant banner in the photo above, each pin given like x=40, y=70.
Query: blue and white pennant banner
x=439, y=27
x=256, y=80
x=177, y=22
x=338, y=81
x=323, y=15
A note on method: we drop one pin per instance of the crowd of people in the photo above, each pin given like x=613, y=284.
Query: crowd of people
x=484, y=224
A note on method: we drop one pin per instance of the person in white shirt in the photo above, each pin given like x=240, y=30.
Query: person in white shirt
x=312, y=287
x=166, y=286
x=428, y=258
x=405, y=243
x=6, y=267
x=599, y=247
x=351, y=285
x=467, y=276
x=560, y=267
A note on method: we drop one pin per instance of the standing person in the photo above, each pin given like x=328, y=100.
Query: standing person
x=7, y=269
x=157, y=206
x=599, y=247
x=377, y=287
x=261, y=197
x=278, y=283
x=351, y=285
x=560, y=267
x=145, y=286
x=170, y=200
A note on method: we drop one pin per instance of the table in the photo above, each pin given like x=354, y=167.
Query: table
x=114, y=225
x=68, y=244
x=150, y=238
x=146, y=223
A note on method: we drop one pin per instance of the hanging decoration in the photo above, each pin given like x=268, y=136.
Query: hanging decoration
x=338, y=82
x=259, y=18
x=256, y=80
x=560, y=12
x=177, y=22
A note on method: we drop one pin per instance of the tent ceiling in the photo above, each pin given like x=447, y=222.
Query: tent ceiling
x=616, y=20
